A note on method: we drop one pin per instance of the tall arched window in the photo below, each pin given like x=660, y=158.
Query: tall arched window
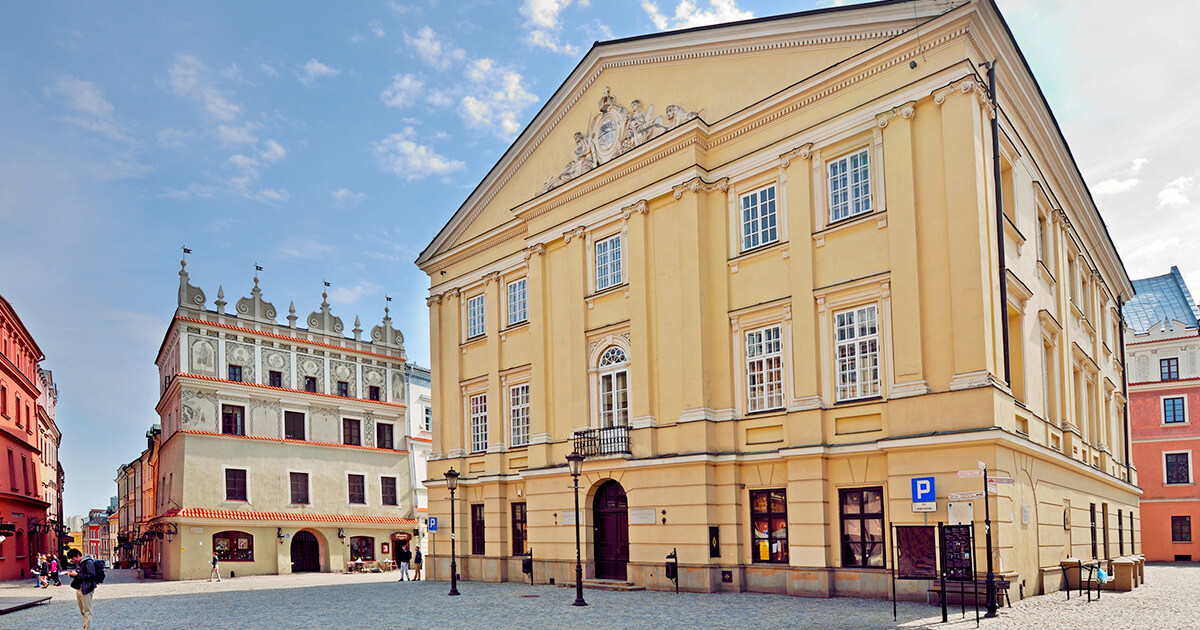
x=613, y=372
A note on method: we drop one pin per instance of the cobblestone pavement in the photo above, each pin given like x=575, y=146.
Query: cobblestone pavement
x=376, y=601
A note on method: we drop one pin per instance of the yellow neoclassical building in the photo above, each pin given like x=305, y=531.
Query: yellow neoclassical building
x=752, y=271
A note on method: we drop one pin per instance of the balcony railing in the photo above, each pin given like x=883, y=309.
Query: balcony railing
x=603, y=441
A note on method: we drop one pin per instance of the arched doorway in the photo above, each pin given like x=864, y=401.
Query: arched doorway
x=611, y=527
x=306, y=552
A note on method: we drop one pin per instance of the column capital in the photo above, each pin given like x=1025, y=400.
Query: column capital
x=803, y=152
x=640, y=207
x=697, y=185
x=575, y=233
x=905, y=111
x=537, y=248
x=968, y=85
x=433, y=299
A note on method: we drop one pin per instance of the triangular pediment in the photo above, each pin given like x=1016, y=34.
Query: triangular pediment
x=632, y=93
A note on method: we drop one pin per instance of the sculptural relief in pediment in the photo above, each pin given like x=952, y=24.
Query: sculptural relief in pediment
x=616, y=130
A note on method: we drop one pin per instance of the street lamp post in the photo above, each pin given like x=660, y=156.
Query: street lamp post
x=575, y=463
x=452, y=484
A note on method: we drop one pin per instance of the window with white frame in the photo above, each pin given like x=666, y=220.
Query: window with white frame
x=608, y=262
x=613, y=371
x=428, y=418
x=479, y=436
x=1174, y=410
x=518, y=408
x=849, y=186
x=1177, y=468
x=759, y=218
x=764, y=368
x=856, y=345
x=475, y=316
x=517, y=311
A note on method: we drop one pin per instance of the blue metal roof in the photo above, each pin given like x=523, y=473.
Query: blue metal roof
x=1159, y=298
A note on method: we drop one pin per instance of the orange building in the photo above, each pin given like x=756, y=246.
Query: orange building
x=1163, y=355
x=22, y=506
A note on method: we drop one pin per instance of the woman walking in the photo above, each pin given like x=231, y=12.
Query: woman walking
x=43, y=570
x=54, y=571
x=216, y=572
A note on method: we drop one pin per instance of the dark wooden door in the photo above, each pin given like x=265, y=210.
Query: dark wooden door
x=306, y=552
x=611, y=529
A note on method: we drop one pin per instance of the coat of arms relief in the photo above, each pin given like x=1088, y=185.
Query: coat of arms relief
x=616, y=130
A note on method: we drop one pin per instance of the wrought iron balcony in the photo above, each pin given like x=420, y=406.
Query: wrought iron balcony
x=603, y=441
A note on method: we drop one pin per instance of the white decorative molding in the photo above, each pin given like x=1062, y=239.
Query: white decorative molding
x=538, y=249
x=643, y=422
x=705, y=414
x=972, y=380
x=457, y=452
x=803, y=152
x=806, y=403
x=909, y=389
x=614, y=131
x=539, y=438
x=575, y=233
x=697, y=185
x=905, y=111
x=965, y=86
x=640, y=207
x=495, y=447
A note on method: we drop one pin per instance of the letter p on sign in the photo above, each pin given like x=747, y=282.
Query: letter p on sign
x=923, y=490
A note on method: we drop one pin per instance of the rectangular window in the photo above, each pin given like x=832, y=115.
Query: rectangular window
x=384, y=437
x=275, y=378
x=357, y=489
x=477, y=540
x=862, y=527
x=351, y=432
x=518, y=529
x=1181, y=529
x=764, y=369
x=857, y=350
x=517, y=311
x=235, y=373
x=1092, y=516
x=1169, y=369
x=475, y=325
x=293, y=425
x=343, y=389
x=25, y=475
x=768, y=523
x=608, y=262
x=387, y=487
x=479, y=433
x=759, y=220
x=235, y=484
x=299, y=487
x=519, y=412
x=429, y=418
x=373, y=392
x=310, y=384
x=849, y=186
x=1178, y=468
x=233, y=420
x=1120, y=532
x=1173, y=411
x=3, y=401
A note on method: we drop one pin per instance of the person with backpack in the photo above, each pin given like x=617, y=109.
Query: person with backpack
x=86, y=577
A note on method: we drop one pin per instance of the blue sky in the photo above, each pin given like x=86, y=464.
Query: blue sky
x=332, y=144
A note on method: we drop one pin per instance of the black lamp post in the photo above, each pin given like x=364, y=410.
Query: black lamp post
x=575, y=463
x=452, y=484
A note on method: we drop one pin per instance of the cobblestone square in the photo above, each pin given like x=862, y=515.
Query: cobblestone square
x=1167, y=600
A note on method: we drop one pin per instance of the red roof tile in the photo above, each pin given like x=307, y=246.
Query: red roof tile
x=237, y=515
x=287, y=389
x=275, y=439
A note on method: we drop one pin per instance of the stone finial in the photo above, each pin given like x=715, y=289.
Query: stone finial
x=357, y=329
x=189, y=296
x=323, y=320
x=292, y=315
x=385, y=334
x=220, y=302
x=255, y=307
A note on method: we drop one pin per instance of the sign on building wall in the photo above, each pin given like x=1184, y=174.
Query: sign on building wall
x=641, y=516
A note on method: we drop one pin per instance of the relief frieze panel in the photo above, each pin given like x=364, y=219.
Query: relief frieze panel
x=307, y=365
x=344, y=371
x=275, y=361
x=243, y=355
x=376, y=377
x=202, y=355
x=199, y=412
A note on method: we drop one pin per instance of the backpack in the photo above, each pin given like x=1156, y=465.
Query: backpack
x=98, y=569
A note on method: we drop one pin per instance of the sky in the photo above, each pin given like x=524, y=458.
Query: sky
x=331, y=142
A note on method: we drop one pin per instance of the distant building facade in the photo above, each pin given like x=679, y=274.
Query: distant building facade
x=420, y=431
x=52, y=477
x=1163, y=355
x=137, y=505
x=284, y=448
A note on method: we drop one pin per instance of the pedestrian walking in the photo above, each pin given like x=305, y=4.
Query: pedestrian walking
x=54, y=571
x=404, y=556
x=43, y=570
x=84, y=583
x=417, y=561
x=215, y=572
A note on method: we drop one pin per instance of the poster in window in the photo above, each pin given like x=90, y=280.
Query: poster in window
x=243, y=544
x=760, y=503
x=956, y=544
x=916, y=553
x=222, y=544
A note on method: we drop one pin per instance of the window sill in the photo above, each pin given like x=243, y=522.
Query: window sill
x=1045, y=273
x=518, y=447
x=299, y=505
x=471, y=340
x=833, y=226
x=607, y=290
x=1175, y=424
x=758, y=249
x=858, y=401
x=516, y=326
x=765, y=412
x=778, y=563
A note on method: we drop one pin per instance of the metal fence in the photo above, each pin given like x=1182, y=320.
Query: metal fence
x=602, y=441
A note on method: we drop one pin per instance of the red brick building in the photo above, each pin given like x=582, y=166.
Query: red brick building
x=22, y=503
x=1163, y=358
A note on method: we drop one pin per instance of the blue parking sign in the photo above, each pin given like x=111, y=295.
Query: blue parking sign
x=433, y=523
x=923, y=490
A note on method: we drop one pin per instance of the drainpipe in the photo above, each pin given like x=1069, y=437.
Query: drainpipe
x=991, y=72
x=1124, y=387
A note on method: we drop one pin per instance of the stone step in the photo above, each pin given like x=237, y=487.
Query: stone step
x=606, y=585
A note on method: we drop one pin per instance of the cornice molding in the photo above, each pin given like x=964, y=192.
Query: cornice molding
x=905, y=111
x=803, y=152
x=639, y=207
x=697, y=185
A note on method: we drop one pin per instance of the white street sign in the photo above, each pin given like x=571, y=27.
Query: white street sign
x=1008, y=481
x=959, y=496
x=982, y=466
x=924, y=506
x=992, y=487
x=966, y=474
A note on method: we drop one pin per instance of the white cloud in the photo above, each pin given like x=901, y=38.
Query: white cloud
x=346, y=198
x=268, y=70
x=439, y=98
x=1114, y=186
x=189, y=80
x=497, y=105
x=1138, y=165
x=401, y=155
x=313, y=70
x=81, y=96
x=193, y=191
x=688, y=14
x=479, y=70
x=376, y=28
x=272, y=152
x=296, y=248
x=346, y=296
x=236, y=135
x=432, y=50
x=169, y=137
x=1176, y=192
x=541, y=19
x=403, y=92
x=597, y=30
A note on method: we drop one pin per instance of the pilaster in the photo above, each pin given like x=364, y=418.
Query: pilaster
x=643, y=356
x=796, y=191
